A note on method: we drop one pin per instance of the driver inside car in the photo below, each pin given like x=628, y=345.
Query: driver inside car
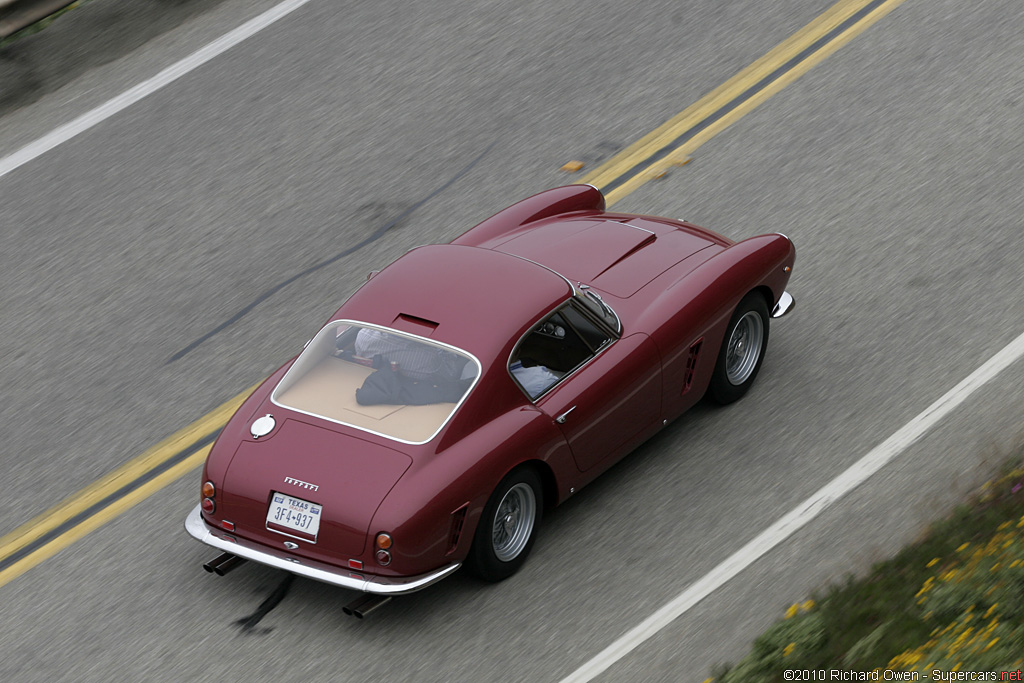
x=414, y=359
x=534, y=378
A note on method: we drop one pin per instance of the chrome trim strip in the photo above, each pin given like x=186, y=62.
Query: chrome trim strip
x=550, y=270
x=319, y=571
x=784, y=306
x=636, y=227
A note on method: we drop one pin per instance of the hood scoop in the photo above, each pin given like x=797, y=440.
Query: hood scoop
x=649, y=239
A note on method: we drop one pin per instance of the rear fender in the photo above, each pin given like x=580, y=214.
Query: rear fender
x=238, y=428
x=418, y=510
x=504, y=224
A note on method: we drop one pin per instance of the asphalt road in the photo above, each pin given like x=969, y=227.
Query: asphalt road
x=895, y=166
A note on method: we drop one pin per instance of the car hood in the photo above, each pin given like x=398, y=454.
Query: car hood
x=616, y=256
x=347, y=476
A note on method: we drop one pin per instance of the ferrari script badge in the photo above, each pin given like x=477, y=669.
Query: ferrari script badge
x=303, y=484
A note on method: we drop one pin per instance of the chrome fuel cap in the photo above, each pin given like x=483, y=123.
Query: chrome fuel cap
x=262, y=426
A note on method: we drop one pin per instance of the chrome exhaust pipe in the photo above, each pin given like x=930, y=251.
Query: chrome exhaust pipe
x=217, y=561
x=234, y=562
x=224, y=563
x=364, y=605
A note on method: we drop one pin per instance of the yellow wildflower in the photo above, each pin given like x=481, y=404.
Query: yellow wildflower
x=788, y=649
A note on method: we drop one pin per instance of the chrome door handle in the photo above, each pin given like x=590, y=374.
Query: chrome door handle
x=561, y=418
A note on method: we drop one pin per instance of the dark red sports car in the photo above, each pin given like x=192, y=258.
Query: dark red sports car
x=468, y=386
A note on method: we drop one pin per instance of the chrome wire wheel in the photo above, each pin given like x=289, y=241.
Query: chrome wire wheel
x=513, y=522
x=508, y=526
x=744, y=348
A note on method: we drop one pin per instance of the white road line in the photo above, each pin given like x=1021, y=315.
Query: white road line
x=802, y=514
x=147, y=87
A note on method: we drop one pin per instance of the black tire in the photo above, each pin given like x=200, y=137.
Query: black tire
x=742, y=352
x=500, y=547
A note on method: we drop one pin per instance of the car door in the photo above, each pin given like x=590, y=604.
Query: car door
x=603, y=393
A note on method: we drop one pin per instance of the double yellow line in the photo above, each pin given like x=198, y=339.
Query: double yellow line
x=672, y=143
x=649, y=157
x=102, y=501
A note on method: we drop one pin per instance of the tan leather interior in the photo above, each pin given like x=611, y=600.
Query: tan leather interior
x=328, y=390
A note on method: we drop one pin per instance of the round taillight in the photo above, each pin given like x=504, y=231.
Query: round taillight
x=209, y=506
x=383, y=557
x=209, y=490
x=383, y=541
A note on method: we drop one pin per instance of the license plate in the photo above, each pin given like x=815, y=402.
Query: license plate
x=288, y=515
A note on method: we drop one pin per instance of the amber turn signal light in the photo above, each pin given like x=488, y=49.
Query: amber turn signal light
x=383, y=541
x=209, y=490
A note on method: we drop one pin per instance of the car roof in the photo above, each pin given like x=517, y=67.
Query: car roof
x=472, y=298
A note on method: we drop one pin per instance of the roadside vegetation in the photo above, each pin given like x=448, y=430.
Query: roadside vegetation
x=954, y=602
x=41, y=24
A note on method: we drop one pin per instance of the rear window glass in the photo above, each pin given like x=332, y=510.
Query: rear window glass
x=376, y=379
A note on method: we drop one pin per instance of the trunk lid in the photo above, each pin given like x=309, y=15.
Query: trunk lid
x=345, y=476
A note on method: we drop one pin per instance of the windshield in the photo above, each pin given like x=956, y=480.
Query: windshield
x=379, y=380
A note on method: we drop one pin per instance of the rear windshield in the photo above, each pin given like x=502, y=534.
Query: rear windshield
x=379, y=380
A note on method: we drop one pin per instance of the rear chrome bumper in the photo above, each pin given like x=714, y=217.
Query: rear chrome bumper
x=197, y=527
x=784, y=306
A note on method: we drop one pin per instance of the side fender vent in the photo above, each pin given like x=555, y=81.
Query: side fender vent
x=458, y=520
x=691, y=363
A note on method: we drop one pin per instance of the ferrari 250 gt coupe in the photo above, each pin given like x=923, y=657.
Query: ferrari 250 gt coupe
x=467, y=387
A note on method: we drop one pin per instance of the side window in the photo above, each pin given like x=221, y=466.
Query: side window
x=591, y=333
x=564, y=341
